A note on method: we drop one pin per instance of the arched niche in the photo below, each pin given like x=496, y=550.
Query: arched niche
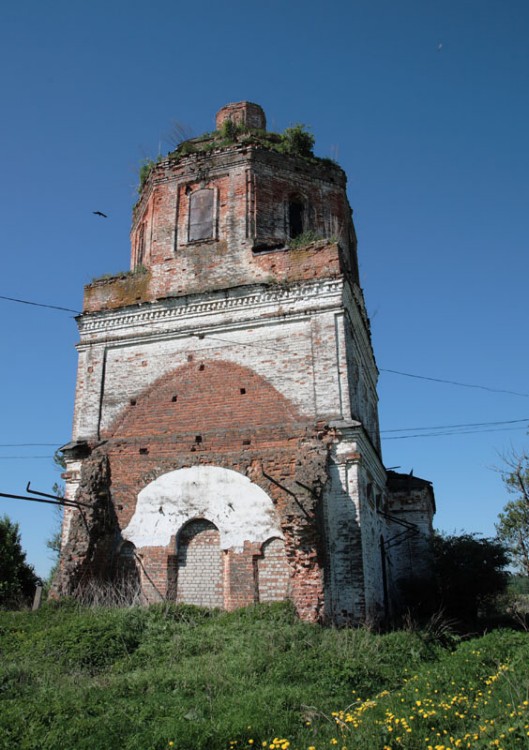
x=199, y=565
x=273, y=576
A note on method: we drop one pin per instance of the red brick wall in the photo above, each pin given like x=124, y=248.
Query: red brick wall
x=199, y=400
x=252, y=189
x=197, y=414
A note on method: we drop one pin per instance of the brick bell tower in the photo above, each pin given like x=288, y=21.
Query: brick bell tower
x=226, y=433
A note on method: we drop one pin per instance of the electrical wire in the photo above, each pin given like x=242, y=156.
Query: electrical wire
x=27, y=445
x=451, y=433
x=14, y=458
x=454, y=382
x=39, y=304
x=261, y=346
x=456, y=426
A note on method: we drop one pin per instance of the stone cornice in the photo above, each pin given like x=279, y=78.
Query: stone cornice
x=323, y=293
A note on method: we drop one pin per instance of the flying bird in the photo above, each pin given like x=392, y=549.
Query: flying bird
x=100, y=213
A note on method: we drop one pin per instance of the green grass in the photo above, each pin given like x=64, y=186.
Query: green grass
x=141, y=679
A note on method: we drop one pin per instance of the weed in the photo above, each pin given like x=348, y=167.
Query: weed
x=306, y=238
x=145, y=169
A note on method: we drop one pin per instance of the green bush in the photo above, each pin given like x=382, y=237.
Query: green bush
x=298, y=141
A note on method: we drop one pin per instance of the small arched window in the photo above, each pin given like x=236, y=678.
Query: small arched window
x=201, y=214
x=296, y=216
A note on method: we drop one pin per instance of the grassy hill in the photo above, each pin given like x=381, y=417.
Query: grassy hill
x=180, y=677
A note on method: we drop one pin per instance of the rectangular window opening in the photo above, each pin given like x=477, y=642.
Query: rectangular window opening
x=201, y=214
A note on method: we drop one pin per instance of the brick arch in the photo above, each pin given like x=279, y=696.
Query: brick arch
x=201, y=396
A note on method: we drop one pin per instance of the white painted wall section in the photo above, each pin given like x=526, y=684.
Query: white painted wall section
x=240, y=509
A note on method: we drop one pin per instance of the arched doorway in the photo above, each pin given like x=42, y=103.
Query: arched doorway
x=199, y=565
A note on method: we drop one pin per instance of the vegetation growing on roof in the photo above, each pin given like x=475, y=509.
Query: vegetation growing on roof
x=295, y=141
x=145, y=170
x=298, y=141
x=306, y=238
x=137, y=271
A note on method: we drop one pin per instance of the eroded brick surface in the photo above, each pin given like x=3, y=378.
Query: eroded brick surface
x=226, y=420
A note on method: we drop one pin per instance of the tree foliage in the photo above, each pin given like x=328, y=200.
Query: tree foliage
x=54, y=542
x=513, y=523
x=17, y=578
x=470, y=572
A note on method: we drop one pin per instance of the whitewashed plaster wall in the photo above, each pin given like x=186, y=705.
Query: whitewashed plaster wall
x=240, y=509
x=352, y=526
x=292, y=337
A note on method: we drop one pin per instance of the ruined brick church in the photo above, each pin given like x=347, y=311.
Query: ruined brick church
x=226, y=445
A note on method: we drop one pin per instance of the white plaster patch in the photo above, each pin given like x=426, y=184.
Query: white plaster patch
x=240, y=509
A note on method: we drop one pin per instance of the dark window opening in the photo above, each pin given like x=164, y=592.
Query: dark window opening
x=243, y=391
x=133, y=402
x=144, y=451
x=295, y=218
x=198, y=439
x=201, y=367
x=174, y=399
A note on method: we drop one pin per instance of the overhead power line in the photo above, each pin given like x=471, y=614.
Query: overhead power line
x=27, y=445
x=262, y=346
x=451, y=432
x=13, y=458
x=455, y=382
x=39, y=304
x=457, y=426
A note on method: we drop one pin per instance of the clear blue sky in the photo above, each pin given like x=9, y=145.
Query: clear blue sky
x=425, y=105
